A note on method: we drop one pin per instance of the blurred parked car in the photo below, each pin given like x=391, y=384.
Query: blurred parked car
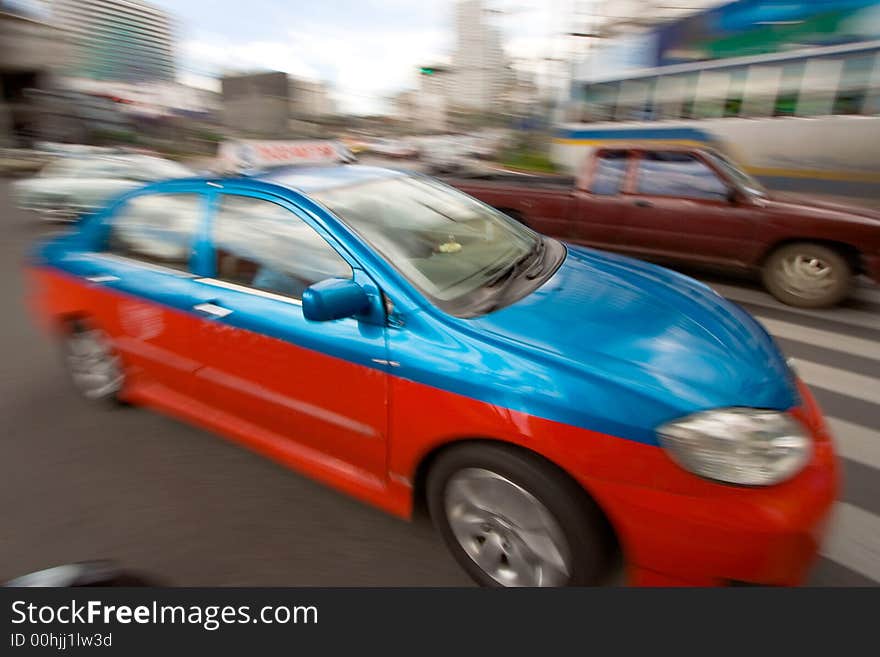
x=19, y=162
x=693, y=205
x=393, y=148
x=447, y=155
x=70, y=186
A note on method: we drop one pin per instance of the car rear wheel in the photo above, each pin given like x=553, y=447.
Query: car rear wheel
x=93, y=365
x=511, y=519
x=807, y=275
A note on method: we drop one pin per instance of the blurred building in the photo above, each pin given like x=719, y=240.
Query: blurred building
x=274, y=103
x=403, y=105
x=310, y=99
x=256, y=103
x=32, y=52
x=437, y=86
x=121, y=40
x=481, y=70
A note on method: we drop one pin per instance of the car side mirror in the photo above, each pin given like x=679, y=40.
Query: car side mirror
x=733, y=195
x=333, y=298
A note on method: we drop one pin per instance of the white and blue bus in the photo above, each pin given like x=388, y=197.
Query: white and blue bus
x=800, y=121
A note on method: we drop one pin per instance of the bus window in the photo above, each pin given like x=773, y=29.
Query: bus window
x=818, y=85
x=854, y=84
x=711, y=94
x=872, y=102
x=789, y=88
x=602, y=100
x=689, y=94
x=735, y=90
x=762, y=83
x=632, y=100
x=667, y=97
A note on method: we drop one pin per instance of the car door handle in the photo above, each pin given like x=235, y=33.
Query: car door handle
x=212, y=309
x=107, y=278
x=643, y=204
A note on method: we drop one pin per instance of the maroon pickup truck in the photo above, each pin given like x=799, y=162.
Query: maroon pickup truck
x=693, y=205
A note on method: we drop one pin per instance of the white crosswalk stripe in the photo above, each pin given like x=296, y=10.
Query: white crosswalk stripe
x=840, y=381
x=853, y=540
x=853, y=536
x=856, y=442
x=849, y=316
x=826, y=339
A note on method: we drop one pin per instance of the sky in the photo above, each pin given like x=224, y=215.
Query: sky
x=365, y=49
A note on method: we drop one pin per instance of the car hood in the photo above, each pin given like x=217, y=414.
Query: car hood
x=804, y=204
x=650, y=330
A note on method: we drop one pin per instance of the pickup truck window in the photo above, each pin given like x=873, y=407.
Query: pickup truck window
x=609, y=173
x=671, y=173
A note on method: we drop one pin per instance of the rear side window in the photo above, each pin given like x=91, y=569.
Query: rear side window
x=610, y=172
x=157, y=228
x=260, y=244
x=678, y=174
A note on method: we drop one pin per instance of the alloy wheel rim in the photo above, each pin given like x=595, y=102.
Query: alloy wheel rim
x=94, y=368
x=806, y=276
x=506, y=530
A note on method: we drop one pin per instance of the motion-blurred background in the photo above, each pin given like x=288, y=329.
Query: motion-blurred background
x=790, y=89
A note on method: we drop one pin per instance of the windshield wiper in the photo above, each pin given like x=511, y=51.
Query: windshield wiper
x=510, y=274
x=537, y=253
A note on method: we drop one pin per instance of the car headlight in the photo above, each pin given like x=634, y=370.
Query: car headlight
x=746, y=446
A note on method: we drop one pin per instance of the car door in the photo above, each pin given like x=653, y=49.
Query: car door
x=599, y=204
x=680, y=207
x=139, y=288
x=312, y=391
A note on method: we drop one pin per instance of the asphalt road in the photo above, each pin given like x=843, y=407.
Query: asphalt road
x=84, y=482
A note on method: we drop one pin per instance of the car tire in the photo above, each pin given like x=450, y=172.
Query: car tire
x=513, y=519
x=807, y=275
x=92, y=364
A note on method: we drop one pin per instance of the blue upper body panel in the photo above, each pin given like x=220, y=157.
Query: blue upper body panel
x=608, y=343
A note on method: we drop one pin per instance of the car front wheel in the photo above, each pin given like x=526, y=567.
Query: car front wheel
x=511, y=519
x=93, y=365
x=807, y=275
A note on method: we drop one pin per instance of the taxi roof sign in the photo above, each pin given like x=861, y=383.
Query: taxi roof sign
x=252, y=155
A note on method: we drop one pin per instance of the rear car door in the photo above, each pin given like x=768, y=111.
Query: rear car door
x=139, y=287
x=680, y=207
x=315, y=391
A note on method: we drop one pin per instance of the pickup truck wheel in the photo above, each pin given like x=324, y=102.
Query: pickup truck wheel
x=807, y=275
x=93, y=366
x=513, y=520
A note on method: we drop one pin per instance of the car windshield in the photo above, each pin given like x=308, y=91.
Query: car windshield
x=740, y=177
x=444, y=242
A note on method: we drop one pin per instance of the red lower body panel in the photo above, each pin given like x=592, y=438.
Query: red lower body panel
x=674, y=527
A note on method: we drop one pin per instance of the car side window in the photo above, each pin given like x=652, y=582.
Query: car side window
x=157, y=228
x=677, y=174
x=610, y=172
x=260, y=244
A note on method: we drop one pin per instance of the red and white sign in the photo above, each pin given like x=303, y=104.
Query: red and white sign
x=247, y=154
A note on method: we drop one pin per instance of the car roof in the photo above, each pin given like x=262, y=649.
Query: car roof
x=320, y=178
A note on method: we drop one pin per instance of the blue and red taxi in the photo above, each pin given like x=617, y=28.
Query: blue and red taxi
x=559, y=410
